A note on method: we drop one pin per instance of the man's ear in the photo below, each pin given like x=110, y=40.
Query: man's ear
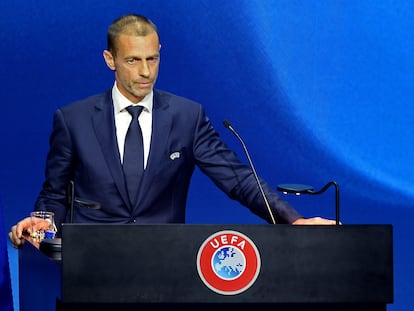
x=109, y=59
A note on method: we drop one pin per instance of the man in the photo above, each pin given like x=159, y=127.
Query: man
x=88, y=138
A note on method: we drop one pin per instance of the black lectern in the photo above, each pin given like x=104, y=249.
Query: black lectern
x=274, y=267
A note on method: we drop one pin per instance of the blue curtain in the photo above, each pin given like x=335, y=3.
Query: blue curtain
x=319, y=90
x=6, y=300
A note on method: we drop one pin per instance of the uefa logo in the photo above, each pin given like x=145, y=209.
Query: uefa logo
x=228, y=262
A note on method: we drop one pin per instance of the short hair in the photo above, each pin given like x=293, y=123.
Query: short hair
x=130, y=24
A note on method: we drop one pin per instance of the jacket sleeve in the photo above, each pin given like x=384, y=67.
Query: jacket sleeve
x=52, y=196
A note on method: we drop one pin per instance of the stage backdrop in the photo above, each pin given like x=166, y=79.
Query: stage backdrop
x=319, y=90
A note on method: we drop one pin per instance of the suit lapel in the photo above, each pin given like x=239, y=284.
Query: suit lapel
x=106, y=136
x=161, y=127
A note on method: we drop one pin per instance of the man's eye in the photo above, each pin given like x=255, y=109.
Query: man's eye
x=131, y=61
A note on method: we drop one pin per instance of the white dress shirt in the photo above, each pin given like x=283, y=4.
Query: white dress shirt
x=123, y=119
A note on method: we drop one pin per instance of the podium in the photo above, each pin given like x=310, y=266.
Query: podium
x=273, y=267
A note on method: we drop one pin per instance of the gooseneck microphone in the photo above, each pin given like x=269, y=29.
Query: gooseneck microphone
x=230, y=127
x=53, y=247
x=72, y=201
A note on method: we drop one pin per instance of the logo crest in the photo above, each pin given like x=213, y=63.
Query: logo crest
x=228, y=262
x=174, y=155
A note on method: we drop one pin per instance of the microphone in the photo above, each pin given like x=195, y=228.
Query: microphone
x=72, y=200
x=230, y=127
x=53, y=247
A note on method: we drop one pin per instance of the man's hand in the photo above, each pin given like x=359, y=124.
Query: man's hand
x=314, y=221
x=16, y=233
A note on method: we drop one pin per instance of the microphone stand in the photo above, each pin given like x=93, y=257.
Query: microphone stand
x=71, y=199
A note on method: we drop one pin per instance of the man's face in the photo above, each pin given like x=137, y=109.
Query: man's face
x=135, y=64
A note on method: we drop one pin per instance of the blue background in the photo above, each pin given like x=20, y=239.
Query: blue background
x=319, y=91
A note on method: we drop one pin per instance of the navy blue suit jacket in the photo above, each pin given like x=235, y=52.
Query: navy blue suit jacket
x=83, y=148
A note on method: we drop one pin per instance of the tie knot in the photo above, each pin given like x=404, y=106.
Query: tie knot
x=134, y=111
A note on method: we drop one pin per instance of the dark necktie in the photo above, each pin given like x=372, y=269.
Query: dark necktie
x=133, y=163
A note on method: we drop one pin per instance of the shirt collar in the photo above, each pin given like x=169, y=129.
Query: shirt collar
x=121, y=102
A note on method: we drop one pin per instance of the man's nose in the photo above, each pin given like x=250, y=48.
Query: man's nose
x=144, y=69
